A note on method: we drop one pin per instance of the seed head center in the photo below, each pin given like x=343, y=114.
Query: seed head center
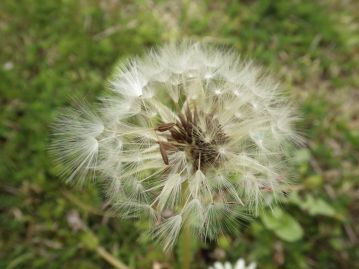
x=198, y=134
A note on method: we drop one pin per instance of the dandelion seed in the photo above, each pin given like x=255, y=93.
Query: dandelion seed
x=191, y=135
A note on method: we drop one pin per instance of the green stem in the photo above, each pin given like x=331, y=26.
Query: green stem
x=115, y=262
x=185, y=245
x=110, y=258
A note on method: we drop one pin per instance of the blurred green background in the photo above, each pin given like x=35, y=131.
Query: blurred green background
x=51, y=50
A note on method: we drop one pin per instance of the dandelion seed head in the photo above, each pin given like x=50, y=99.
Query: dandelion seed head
x=191, y=135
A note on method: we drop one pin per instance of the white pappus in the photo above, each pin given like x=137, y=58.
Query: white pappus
x=189, y=135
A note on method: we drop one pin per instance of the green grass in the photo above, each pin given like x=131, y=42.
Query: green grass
x=52, y=50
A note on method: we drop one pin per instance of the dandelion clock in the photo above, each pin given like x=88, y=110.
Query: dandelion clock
x=189, y=136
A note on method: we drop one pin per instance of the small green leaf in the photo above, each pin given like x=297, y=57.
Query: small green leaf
x=283, y=225
x=318, y=207
x=314, y=206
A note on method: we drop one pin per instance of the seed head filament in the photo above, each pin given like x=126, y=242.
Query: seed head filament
x=199, y=143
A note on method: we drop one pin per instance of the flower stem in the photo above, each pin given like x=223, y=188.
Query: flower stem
x=110, y=259
x=185, y=246
x=94, y=242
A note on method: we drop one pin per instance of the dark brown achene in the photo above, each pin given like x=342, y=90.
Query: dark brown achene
x=186, y=135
